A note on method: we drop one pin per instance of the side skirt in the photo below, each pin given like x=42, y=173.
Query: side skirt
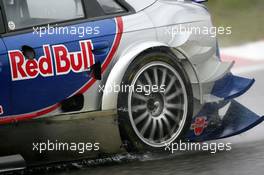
x=71, y=129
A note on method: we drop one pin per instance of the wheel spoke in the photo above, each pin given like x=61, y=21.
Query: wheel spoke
x=175, y=126
x=148, y=78
x=140, y=97
x=164, y=76
x=172, y=81
x=139, y=83
x=172, y=116
x=176, y=94
x=139, y=108
x=141, y=118
x=146, y=126
x=167, y=124
x=174, y=106
x=153, y=130
x=161, y=132
x=156, y=76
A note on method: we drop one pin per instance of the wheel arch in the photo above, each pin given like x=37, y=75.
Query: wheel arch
x=110, y=98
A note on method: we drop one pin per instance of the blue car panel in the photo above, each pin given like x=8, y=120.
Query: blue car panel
x=59, y=85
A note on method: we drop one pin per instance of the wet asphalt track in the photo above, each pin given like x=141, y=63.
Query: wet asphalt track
x=246, y=157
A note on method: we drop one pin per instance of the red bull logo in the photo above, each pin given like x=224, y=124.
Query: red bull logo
x=199, y=125
x=57, y=60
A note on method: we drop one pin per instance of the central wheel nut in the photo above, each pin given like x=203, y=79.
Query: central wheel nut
x=151, y=104
x=155, y=105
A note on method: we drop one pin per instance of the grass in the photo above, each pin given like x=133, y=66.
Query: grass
x=246, y=17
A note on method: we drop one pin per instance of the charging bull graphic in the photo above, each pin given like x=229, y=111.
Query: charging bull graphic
x=199, y=125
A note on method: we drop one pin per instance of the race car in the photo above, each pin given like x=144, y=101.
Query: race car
x=118, y=74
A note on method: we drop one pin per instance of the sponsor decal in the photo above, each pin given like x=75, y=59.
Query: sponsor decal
x=199, y=125
x=1, y=110
x=20, y=68
x=64, y=61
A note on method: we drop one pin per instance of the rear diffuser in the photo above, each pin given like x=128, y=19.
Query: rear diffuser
x=222, y=120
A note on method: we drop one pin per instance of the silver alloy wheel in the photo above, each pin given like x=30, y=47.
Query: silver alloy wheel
x=158, y=117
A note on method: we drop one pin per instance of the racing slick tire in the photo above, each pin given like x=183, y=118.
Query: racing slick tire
x=155, y=105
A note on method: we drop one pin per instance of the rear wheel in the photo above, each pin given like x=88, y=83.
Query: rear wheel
x=158, y=103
